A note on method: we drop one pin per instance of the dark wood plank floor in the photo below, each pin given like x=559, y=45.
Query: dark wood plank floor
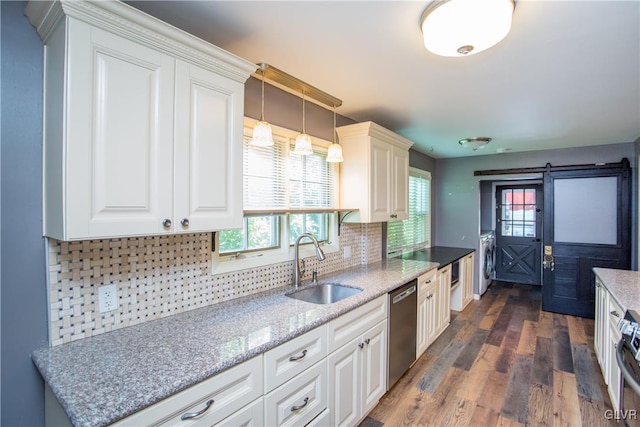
x=502, y=362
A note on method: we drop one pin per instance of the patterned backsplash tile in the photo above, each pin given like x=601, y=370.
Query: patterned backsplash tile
x=160, y=276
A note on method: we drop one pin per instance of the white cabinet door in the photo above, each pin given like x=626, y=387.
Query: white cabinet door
x=381, y=180
x=374, y=366
x=208, y=150
x=433, y=313
x=400, y=195
x=344, y=384
x=600, y=327
x=422, y=327
x=444, y=299
x=116, y=164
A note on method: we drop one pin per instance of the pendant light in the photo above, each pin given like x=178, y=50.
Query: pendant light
x=262, y=136
x=465, y=27
x=334, y=154
x=303, y=140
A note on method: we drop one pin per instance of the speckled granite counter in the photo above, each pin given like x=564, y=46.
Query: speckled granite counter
x=102, y=379
x=623, y=285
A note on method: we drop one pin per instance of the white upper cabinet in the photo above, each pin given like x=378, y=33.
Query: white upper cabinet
x=143, y=124
x=374, y=177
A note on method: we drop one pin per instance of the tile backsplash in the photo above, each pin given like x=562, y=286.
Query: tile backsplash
x=159, y=276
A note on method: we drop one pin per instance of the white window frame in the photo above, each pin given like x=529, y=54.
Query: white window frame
x=258, y=258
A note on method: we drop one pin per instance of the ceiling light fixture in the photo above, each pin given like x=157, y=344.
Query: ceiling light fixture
x=334, y=153
x=475, y=142
x=465, y=27
x=262, y=136
x=303, y=140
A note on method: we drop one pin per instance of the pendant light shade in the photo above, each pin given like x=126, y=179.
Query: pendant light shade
x=465, y=27
x=262, y=136
x=334, y=154
x=303, y=141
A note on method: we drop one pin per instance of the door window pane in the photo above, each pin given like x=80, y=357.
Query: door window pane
x=585, y=210
x=518, y=212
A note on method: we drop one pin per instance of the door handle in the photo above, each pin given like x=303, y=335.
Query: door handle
x=548, y=262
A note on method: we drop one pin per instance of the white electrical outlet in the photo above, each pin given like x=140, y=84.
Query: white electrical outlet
x=107, y=298
x=347, y=252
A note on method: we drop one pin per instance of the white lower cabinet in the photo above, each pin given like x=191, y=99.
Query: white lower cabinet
x=428, y=310
x=358, y=369
x=297, y=383
x=606, y=337
x=463, y=293
x=444, y=299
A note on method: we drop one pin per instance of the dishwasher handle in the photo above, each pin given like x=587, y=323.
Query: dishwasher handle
x=404, y=294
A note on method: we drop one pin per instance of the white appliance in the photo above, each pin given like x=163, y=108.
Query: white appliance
x=486, y=260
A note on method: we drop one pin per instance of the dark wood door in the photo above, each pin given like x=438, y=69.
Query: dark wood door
x=587, y=224
x=519, y=233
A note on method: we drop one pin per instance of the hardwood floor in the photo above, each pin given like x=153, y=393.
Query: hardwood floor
x=502, y=362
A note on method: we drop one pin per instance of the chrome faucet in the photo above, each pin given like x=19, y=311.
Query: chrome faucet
x=297, y=271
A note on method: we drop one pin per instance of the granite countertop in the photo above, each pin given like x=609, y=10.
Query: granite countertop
x=443, y=255
x=623, y=285
x=102, y=379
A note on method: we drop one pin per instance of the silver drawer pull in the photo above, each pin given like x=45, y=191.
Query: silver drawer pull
x=294, y=358
x=615, y=313
x=361, y=345
x=190, y=415
x=367, y=341
x=298, y=407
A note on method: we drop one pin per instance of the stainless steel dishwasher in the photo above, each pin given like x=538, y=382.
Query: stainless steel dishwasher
x=403, y=311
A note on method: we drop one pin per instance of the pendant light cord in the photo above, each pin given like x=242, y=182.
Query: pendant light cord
x=262, y=98
x=303, y=131
x=334, y=124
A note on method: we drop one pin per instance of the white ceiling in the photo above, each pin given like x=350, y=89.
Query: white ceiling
x=567, y=75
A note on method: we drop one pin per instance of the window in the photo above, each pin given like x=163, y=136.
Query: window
x=518, y=212
x=285, y=194
x=415, y=232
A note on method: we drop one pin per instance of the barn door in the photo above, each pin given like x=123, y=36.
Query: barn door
x=587, y=224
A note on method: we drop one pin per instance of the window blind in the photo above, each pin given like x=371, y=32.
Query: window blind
x=277, y=179
x=265, y=184
x=311, y=180
x=414, y=232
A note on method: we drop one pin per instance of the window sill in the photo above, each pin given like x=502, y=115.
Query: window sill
x=260, y=260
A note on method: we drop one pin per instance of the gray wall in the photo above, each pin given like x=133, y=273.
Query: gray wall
x=23, y=293
x=457, y=190
x=285, y=110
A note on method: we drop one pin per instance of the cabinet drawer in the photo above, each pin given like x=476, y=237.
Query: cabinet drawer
x=291, y=358
x=354, y=323
x=230, y=391
x=249, y=416
x=426, y=280
x=299, y=400
x=614, y=313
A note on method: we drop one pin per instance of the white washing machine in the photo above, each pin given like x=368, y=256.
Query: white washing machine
x=486, y=260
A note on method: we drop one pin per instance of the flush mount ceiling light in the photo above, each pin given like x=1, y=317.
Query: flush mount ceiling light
x=475, y=143
x=465, y=27
x=303, y=140
x=262, y=136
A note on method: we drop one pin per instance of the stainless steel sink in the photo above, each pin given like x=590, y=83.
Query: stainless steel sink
x=324, y=293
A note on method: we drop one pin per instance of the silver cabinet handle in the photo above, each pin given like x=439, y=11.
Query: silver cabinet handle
x=361, y=345
x=189, y=415
x=367, y=341
x=298, y=407
x=615, y=313
x=166, y=223
x=184, y=222
x=294, y=358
